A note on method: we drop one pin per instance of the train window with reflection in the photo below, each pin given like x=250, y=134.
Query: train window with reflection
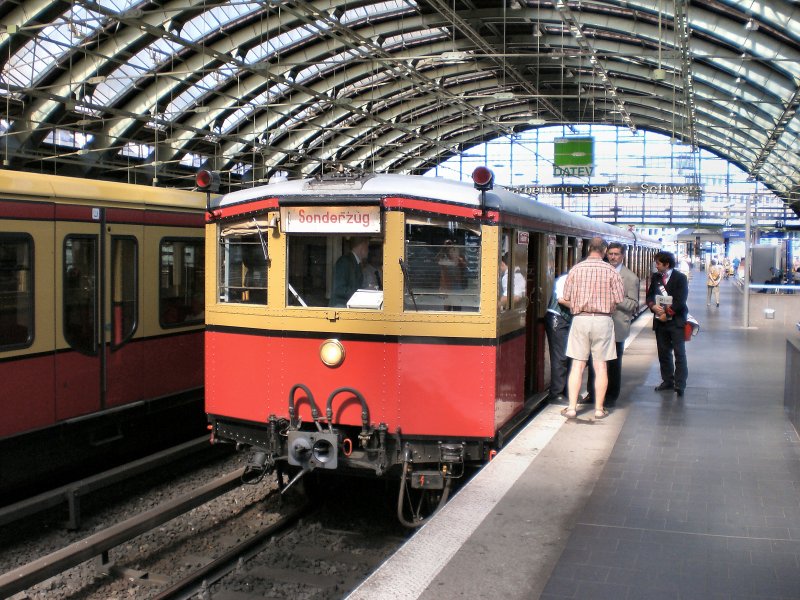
x=335, y=270
x=181, y=291
x=124, y=296
x=442, y=265
x=80, y=292
x=243, y=261
x=512, y=271
x=16, y=291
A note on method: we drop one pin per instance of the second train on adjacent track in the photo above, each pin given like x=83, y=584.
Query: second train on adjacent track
x=420, y=373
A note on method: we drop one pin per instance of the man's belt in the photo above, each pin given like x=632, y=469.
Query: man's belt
x=591, y=314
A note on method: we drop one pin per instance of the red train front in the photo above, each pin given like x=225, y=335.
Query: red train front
x=383, y=324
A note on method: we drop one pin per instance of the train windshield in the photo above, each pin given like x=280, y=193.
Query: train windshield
x=442, y=266
x=335, y=270
x=243, y=262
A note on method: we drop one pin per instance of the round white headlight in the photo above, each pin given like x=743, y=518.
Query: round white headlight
x=331, y=353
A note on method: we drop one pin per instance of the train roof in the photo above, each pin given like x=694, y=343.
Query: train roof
x=20, y=185
x=429, y=188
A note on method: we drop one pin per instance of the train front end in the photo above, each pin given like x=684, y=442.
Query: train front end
x=352, y=327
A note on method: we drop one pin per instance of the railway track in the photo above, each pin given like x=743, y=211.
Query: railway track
x=245, y=539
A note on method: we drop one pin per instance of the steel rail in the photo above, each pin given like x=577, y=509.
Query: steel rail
x=57, y=562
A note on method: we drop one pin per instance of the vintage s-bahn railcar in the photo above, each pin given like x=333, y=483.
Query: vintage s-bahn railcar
x=101, y=320
x=426, y=361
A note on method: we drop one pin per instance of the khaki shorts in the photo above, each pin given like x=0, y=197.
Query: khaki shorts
x=595, y=334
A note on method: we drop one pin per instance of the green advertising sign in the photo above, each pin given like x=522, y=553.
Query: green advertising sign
x=573, y=157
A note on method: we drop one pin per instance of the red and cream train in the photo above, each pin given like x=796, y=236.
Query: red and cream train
x=427, y=367
x=101, y=320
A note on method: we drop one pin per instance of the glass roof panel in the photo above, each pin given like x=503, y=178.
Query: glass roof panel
x=414, y=37
x=219, y=17
x=138, y=66
x=325, y=66
x=283, y=42
x=41, y=54
x=391, y=8
x=134, y=150
x=261, y=101
x=192, y=96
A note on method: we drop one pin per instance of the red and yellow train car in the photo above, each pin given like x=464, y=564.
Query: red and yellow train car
x=101, y=317
x=381, y=324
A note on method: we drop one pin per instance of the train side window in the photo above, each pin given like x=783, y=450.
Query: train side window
x=243, y=262
x=327, y=270
x=512, y=271
x=80, y=292
x=181, y=291
x=124, y=296
x=16, y=291
x=443, y=259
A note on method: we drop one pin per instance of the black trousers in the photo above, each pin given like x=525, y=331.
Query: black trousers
x=671, y=346
x=557, y=330
x=614, y=368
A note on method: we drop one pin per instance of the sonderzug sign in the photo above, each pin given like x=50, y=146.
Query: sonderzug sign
x=667, y=189
x=331, y=219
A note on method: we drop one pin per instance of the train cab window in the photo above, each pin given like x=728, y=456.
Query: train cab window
x=335, y=270
x=16, y=291
x=442, y=265
x=181, y=291
x=124, y=297
x=80, y=292
x=512, y=269
x=243, y=262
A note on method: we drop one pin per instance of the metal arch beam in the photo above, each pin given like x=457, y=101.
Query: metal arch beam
x=466, y=30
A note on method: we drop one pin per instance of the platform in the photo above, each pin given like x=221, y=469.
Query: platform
x=680, y=498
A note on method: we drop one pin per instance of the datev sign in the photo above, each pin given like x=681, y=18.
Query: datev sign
x=331, y=219
x=573, y=157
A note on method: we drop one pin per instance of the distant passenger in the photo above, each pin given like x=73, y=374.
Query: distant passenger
x=713, y=278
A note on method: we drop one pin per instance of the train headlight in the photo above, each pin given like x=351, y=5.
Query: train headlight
x=331, y=353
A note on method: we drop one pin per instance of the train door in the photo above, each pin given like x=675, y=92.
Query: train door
x=97, y=267
x=123, y=363
x=78, y=303
x=541, y=265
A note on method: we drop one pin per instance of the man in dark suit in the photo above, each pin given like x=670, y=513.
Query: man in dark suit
x=669, y=321
x=347, y=273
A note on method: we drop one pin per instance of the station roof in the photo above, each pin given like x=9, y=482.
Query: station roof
x=151, y=91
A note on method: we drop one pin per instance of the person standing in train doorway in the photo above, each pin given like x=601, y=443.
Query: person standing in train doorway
x=593, y=289
x=622, y=317
x=556, y=325
x=666, y=298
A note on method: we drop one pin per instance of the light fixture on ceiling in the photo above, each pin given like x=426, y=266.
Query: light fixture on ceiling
x=751, y=25
x=536, y=121
x=658, y=74
x=536, y=31
x=503, y=95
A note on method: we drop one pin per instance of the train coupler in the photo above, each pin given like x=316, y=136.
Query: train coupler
x=313, y=449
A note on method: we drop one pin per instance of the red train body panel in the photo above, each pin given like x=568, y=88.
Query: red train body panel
x=420, y=389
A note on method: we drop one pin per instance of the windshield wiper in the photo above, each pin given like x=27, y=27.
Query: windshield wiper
x=407, y=281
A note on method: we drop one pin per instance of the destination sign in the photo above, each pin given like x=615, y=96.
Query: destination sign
x=331, y=219
x=668, y=189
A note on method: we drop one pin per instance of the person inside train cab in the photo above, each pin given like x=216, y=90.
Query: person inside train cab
x=519, y=285
x=373, y=269
x=452, y=275
x=347, y=273
x=556, y=326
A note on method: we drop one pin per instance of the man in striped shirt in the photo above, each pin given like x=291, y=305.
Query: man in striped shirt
x=593, y=289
